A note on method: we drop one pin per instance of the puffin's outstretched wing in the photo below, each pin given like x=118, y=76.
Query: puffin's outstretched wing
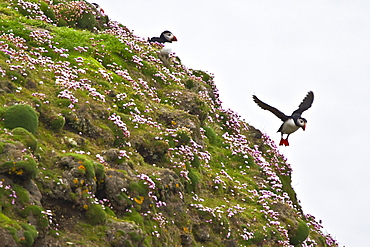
x=275, y=111
x=306, y=103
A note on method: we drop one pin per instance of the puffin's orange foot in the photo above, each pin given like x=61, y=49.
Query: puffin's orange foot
x=284, y=142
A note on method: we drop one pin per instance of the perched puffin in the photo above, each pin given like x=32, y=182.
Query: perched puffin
x=98, y=8
x=166, y=36
x=291, y=123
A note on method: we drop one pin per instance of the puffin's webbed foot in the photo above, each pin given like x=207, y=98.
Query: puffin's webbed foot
x=284, y=142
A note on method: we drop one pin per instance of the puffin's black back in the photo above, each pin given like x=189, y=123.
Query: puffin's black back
x=161, y=39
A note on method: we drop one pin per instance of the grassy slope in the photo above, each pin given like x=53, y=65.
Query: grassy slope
x=99, y=89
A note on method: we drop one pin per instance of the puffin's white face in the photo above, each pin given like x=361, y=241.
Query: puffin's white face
x=302, y=123
x=169, y=36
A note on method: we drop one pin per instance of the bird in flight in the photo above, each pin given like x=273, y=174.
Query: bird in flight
x=290, y=123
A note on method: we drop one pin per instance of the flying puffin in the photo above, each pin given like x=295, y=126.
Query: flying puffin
x=291, y=123
x=166, y=36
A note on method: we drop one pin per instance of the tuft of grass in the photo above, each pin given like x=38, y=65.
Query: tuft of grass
x=95, y=214
x=22, y=135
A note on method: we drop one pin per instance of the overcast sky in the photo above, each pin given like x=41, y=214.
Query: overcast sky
x=280, y=50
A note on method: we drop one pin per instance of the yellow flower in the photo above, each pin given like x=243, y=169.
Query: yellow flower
x=75, y=180
x=19, y=172
x=85, y=206
x=82, y=167
x=139, y=199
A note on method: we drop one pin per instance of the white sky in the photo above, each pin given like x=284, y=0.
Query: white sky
x=279, y=50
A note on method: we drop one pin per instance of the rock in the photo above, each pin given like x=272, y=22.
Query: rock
x=116, y=184
x=7, y=239
x=151, y=149
x=35, y=194
x=191, y=103
x=7, y=87
x=201, y=233
x=12, y=151
x=230, y=243
x=177, y=119
x=124, y=234
x=83, y=123
x=186, y=240
x=114, y=159
x=47, y=241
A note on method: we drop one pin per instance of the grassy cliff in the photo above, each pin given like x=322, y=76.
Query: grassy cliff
x=107, y=140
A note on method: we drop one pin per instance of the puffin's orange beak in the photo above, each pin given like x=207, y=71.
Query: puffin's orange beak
x=304, y=127
x=174, y=38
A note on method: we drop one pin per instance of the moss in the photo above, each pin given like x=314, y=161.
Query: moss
x=22, y=135
x=205, y=76
x=48, y=11
x=63, y=103
x=134, y=216
x=300, y=234
x=36, y=211
x=90, y=168
x=30, y=233
x=4, y=219
x=2, y=146
x=87, y=21
x=213, y=138
x=22, y=194
x=195, y=162
x=183, y=137
x=24, y=169
x=110, y=212
x=57, y=123
x=287, y=186
x=16, y=77
x=73, y=196
x=99, y=171
x=139, y=187
x=21, y=116
x=189, y=84
x=194, y=176
x=95, y=214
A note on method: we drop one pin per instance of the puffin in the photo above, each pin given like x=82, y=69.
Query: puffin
x=98, y=8
x=166, y=36
x=290, y=123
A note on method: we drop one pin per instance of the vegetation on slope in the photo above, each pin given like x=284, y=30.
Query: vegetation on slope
x=107, y=140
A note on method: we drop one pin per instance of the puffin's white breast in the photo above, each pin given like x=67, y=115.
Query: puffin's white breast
x=289, y=127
